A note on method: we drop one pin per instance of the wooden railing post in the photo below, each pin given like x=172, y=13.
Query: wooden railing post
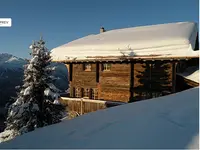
x=81, y=106
x=97, y=72
x=70, y=72
x=131, y=81
x=174, y=77
x=150, y=78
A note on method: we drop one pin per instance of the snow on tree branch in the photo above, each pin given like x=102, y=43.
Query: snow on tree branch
x=34, y=107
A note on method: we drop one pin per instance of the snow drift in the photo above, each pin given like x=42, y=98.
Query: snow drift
x=165, y=122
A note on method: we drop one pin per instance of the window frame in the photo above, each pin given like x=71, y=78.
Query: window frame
x=78, y=93
x=86, y=68
x=106, y=67
x=94, y=93
x=86, y=93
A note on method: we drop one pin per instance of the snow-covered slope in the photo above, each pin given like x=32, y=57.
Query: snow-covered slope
x=172, y=39
x=164, y=123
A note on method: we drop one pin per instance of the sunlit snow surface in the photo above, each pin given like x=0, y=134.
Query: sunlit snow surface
x=165, y=122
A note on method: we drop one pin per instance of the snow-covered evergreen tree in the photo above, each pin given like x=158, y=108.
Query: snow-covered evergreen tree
x=35, y=106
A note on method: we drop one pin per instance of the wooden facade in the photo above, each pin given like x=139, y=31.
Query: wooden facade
x=130, y=77
x=117, y=81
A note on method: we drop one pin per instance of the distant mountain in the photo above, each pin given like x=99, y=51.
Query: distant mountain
x=11, y=62
x=11, y=75
x=61, y=73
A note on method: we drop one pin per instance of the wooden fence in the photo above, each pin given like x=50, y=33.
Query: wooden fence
x=82, y=106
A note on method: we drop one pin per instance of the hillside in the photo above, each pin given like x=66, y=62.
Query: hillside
x=169, y=122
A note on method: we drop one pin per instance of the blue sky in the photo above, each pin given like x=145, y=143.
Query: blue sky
x=61, y=21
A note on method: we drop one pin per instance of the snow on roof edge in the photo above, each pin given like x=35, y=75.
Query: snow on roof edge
x=102, y=44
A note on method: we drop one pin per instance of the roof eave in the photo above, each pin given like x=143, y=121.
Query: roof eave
x=126, y=59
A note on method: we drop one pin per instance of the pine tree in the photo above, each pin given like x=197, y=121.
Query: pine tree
x=34, y=106
x=154, y=80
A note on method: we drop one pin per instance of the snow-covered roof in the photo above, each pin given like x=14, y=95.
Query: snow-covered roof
x=164, y=123
x=167, y=40
x=191, y=73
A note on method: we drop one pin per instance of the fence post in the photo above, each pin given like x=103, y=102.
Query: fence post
x=81, y=106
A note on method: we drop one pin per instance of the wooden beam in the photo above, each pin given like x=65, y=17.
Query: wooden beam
x=81, y=106
x=197, y=42
x=72, y=91
x=70, y=72
x=136, y=58
x=190, y=82
x=131, y=81
x=173, y=77
x=127, y=60
x=97, y=72
x=150, y=77
x=67, y=65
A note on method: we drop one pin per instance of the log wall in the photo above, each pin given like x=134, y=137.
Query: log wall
x=113, y=84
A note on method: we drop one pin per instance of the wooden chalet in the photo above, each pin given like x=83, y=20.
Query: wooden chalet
x=129, y=64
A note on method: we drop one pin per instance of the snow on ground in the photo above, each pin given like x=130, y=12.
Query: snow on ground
x=191, y=73
x=172, y=39
x=165, y=122
x=6, y=135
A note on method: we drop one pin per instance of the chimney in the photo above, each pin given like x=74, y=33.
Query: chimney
x=102, y=30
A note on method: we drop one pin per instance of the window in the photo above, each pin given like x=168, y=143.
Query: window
x=94, y=94
x=87, y=67
x=78, y=92
x=86, y=93
x=106, y=67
